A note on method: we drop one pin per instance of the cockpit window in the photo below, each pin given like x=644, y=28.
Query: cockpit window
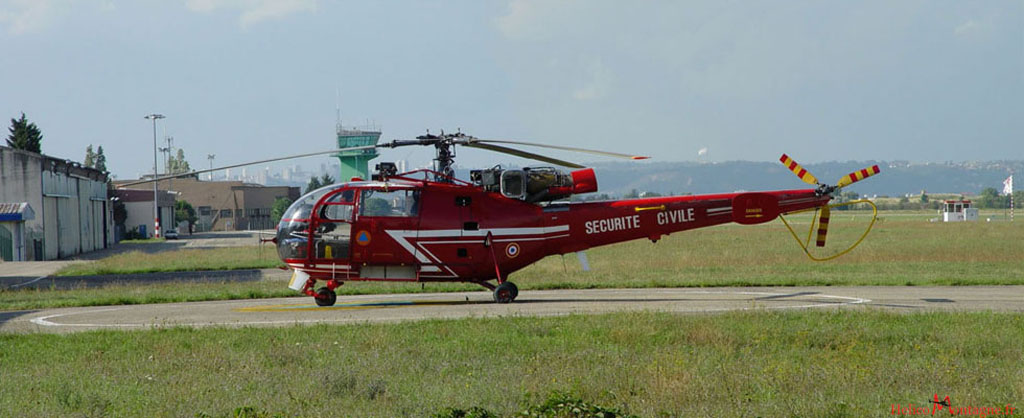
x=293, y=231
x=347, y=196
x=302, y=208
x=389, y=203
x=338, y=207
x=337, y=212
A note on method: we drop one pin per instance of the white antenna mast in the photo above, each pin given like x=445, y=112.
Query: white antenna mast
x=337, y=109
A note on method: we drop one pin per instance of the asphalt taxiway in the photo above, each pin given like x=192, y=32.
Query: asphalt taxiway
x=410, y=307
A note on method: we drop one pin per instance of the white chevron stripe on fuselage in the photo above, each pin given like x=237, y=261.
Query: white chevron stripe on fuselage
x=419, y=250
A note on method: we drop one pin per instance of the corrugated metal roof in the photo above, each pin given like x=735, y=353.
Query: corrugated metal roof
x=16, y=212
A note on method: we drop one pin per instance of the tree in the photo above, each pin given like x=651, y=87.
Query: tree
x=177, y=164
x=101, y=160
x=281, y=204
x=990, y=198
x=120, y=213
x=183, y=211
x=24, y=135
x=90, y=157
x=326, y=180
x=314, y=183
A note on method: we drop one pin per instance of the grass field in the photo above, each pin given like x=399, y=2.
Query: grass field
x=807, y=363
x=903, y=249
x=225, y=258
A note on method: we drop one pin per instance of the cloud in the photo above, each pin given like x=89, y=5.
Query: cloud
x=253, y=11
x=536, y=19
x=973, y=27
x=600, y=78
x=24, y=16
x=966, y=27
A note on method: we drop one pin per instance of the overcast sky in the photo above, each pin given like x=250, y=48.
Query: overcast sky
x=252, y=79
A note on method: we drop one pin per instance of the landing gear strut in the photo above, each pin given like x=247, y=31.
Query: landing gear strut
x=506, y=292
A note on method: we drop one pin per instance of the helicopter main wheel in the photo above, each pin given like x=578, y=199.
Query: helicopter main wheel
x=506, y=292
x=325, y=297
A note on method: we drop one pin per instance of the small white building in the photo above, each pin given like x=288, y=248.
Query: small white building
x=958, y=211
x=138, y=205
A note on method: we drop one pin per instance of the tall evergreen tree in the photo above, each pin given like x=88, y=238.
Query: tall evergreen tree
x=24, y=135
x=314, y=183
x=90, y=157
x=326, y=180
x=101, y=160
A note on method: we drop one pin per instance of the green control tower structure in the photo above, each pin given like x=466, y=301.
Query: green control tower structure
x=356, y=163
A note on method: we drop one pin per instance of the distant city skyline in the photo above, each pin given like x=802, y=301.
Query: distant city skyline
x=678, y=81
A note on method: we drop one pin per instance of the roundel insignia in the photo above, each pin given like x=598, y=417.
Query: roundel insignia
x=363, y=238
x=512, y=250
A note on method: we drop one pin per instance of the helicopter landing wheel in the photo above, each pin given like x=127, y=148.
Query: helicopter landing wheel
x=506, y=292
x=325, y=297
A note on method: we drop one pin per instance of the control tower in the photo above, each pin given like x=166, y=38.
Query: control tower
x=356, y=163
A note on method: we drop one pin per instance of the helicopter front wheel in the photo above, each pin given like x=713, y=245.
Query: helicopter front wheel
x=506, y=292
x=325, y=297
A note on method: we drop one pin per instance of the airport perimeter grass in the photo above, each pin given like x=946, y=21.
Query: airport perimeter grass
x=222, y=258
x=903, y=249
x=759, y=363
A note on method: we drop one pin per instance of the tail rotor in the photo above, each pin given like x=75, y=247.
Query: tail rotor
x=825, y=212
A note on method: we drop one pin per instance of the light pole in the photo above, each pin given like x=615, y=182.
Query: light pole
x=210, y=157
x=156, y=208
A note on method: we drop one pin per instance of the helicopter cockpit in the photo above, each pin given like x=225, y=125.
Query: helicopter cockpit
x=336, y=208
x=333, y=231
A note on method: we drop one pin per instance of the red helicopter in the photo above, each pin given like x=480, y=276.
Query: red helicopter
x=428, y=226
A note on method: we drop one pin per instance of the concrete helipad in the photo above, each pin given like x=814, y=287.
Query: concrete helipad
x=405, y=307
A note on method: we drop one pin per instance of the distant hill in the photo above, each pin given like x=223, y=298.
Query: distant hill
x=896, y=179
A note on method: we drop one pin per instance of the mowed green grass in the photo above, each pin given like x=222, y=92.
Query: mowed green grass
x=759, y=363
x=198, y=259
x=903, y=249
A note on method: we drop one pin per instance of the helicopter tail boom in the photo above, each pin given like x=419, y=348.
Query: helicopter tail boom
x=601, y=223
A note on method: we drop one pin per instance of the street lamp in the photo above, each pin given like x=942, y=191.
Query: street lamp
x=156, y=209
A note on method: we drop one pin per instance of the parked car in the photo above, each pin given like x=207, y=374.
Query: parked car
x=171, y=234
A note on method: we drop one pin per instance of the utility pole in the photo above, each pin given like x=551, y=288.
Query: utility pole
x=156, y=207
x=170, y=152
x=167, y=159
x=210, y=157
x=170, y=149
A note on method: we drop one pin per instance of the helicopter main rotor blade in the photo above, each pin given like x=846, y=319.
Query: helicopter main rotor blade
x=559, y=147
x=197, y=172
x=519, y=153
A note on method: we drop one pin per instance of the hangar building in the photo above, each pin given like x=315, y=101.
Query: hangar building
x=51, y=208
